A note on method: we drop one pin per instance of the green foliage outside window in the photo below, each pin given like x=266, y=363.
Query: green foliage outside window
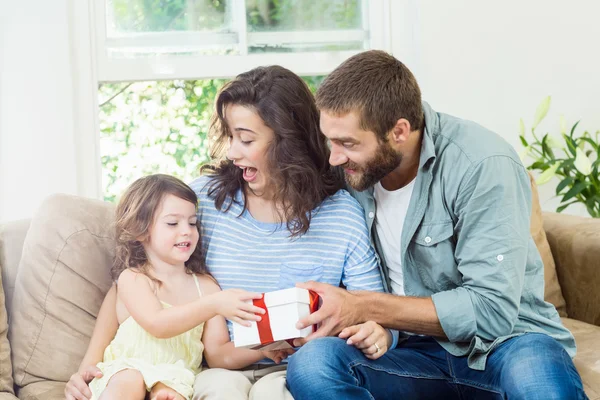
x=151, y=127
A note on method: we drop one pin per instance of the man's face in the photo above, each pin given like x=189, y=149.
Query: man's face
x=365, y=159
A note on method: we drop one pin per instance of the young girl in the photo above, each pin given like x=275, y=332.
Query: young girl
x=160, y=308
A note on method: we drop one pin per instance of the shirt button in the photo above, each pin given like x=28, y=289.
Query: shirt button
x=500, y=257
x=371, y=214
x=427, y=239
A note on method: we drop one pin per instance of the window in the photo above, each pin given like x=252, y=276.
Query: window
x=146, y=71
x=191, y=39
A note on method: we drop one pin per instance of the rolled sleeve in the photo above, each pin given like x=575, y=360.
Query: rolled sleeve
x=456, y=314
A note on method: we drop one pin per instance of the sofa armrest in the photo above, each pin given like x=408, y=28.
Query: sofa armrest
x=12, y=237
x=575, y=245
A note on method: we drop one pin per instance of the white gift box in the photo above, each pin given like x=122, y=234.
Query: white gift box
x=284, y=308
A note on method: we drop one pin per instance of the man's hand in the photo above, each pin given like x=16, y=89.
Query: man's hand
x=371, y=338
x=77, y=388
x=339, y=309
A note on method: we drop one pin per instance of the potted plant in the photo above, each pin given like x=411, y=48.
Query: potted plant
x=571, y=157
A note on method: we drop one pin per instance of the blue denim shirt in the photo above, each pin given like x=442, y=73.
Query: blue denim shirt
x=466, y=241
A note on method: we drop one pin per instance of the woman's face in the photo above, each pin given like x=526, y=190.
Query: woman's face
x=250, y=139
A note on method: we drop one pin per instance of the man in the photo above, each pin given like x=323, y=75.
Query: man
x=448, y=203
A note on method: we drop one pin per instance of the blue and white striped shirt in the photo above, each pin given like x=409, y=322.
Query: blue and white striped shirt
x=244, y=253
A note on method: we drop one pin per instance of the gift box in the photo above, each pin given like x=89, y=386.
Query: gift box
x=277, y=329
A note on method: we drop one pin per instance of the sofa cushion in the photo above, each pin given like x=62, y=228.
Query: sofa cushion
x=587, y=360
x=12, y=236
x=552, y=290
x=62, y=278
x=45, y=390
x=6, y=380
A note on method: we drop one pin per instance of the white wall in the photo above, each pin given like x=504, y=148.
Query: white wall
x=491, y=62
x=494, y=61
x=37, y=154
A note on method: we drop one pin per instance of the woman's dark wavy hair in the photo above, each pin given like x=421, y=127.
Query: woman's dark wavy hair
x=298, y=157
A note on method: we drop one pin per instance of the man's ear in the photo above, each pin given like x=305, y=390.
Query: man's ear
x=401, y=131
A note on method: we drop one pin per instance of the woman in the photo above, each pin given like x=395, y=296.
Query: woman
x=272, y=214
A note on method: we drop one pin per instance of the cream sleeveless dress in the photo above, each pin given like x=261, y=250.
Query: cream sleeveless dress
x=174, y=361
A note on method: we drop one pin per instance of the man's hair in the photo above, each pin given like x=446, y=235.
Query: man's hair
x=378, y=87
x=298, y=156
x=134, y=218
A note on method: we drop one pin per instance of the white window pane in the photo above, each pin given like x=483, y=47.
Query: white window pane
x=306, y=25
x=137, y=16
x=141, y=28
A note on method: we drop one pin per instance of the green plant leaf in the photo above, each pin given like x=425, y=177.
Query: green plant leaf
x=561, y=208
x=563, y=184
x=591, y=204
x=545, y=147
x=541, y=112
x=574, y=191
x=571, y=145
x=595, y=146
x=523, y=141
x=573, y=129
x=539, y=164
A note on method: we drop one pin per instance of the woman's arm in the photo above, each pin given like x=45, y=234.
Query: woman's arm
x=135, y=291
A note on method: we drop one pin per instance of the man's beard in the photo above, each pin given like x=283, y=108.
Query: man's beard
x=385, y=160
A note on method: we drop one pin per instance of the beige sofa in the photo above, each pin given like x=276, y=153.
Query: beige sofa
x=54, y=271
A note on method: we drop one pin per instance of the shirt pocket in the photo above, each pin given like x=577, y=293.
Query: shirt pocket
x=289, y=275
x=429, y=235
x=432, y=252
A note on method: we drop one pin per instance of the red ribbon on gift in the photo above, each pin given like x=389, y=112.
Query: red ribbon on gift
x=264, y=325
x=314, y=304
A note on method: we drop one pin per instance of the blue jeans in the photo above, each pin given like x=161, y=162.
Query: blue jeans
x=531, y=366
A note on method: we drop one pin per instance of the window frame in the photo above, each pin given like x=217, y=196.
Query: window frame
x=91, y=66
x=170, y=67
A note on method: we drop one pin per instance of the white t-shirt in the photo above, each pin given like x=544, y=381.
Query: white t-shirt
x=389, y=221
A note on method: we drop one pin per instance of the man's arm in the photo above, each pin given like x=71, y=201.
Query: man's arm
x=493, y=208
x=343, y=308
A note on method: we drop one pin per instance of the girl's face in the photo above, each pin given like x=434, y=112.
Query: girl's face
x=250, y=139
x=173, y=235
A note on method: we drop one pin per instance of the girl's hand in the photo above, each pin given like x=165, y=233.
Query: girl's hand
x=370, y=337
x=77, y=388
x=278, y=355
x=232, y=304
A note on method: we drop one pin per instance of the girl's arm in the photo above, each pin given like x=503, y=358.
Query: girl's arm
x=135, y=291
x=219, y=351
x=104, y=330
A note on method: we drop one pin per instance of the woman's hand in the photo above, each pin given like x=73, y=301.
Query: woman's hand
x=278, y=355
x=370, y=337
x=78, y=386
x=232, y=304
